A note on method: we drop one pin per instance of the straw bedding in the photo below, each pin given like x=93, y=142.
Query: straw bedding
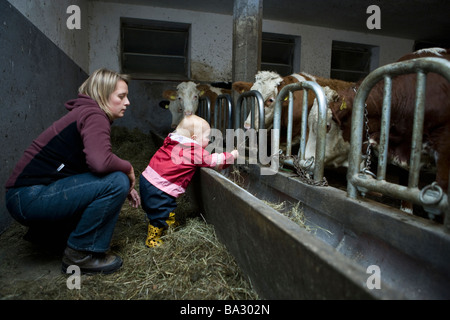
x=192, y=263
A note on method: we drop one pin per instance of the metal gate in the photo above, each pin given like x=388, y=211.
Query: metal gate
x=432, y=198
x=249, y=100
x=321, y=127
x=204, y=108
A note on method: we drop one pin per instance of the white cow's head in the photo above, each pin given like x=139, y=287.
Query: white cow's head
x=337, y=149
x=174, y=106
x=266, y=82
x=187, y=96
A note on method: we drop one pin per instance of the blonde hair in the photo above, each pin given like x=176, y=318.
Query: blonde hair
x=100, y=85
x=192, y=125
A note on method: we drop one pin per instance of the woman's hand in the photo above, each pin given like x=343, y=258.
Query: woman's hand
x=133, y=196
x=134, y=199
x=132, y=178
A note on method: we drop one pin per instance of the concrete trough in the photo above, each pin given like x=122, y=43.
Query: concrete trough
x=360, y=250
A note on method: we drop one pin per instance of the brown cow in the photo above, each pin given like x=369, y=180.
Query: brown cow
x=436, y=131
x=269, y=84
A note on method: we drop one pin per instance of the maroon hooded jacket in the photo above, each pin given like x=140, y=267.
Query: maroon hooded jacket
x=79, y=142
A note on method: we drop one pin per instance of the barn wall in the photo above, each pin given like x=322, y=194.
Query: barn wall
x=50, y=18
x=36, y=79
x=316, y=43
x=211, y=50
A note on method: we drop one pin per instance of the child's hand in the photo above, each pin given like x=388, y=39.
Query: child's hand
x=235, y=154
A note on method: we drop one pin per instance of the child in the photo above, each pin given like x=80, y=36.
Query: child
x=171, y=169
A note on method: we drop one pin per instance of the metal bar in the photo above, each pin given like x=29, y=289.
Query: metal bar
x=255, y=97
x=384, y=133
x=416, y=146
x=355, y=180
x=321, y=125
x=289, y=127
x=301, y=151
x=204, y=103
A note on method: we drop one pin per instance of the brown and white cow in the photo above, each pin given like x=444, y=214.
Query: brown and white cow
x=184, y=100
x=436, y=131
x=269, y=84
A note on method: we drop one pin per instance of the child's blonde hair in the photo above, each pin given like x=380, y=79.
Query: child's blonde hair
x=192, y=126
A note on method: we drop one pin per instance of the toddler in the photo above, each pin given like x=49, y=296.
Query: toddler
x=171, y=169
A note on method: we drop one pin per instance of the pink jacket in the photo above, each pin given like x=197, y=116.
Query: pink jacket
x=174, y=164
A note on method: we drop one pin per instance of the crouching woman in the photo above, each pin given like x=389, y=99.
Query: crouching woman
x=69, y=182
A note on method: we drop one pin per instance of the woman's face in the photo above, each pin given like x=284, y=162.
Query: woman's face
x=118, y=100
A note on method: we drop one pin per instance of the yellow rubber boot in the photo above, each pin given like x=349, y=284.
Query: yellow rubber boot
x=154, y=236
x=171, y=222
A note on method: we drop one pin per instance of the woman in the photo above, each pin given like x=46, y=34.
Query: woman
x=68, y=178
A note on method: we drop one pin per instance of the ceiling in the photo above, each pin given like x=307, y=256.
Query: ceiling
x=422, y=20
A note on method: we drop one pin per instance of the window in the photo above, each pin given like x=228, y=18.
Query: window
x=352, y=61
x=280, y=53
x=155, y=49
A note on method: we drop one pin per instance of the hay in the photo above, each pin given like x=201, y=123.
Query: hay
x=296, y=213
x=191, y=264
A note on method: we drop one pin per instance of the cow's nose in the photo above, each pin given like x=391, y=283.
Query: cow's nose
x=187, y=113
x=247, y=125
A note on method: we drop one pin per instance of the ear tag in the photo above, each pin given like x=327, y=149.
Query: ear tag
x=343, y=105
x=286, y=99
x=202, y=92
x=173, y=97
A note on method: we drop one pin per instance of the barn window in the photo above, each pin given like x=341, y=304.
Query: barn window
x=352, y=61
x=155, y=49
x=280, y=53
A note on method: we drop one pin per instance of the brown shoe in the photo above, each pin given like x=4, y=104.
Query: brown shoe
x=91, y=262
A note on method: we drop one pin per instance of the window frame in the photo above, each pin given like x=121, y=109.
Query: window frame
x=130, y=25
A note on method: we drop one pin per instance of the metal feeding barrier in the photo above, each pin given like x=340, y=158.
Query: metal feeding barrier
x=249, y=102
x=223, y=113
x=321, y=128
x=432, y=198
x=204, y=108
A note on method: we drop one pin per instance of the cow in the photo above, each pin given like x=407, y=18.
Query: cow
x=436, y=130
x=184, y=100
x=269, y=84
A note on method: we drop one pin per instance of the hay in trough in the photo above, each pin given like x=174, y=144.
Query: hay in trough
x=191, y=264
x=296, y=213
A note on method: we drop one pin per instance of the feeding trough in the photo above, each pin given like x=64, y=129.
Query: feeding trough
x=352, y=249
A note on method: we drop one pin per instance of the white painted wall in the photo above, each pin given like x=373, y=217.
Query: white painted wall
x=97, y=44
x=211, y=37
x=211, y=48
x=316, y=43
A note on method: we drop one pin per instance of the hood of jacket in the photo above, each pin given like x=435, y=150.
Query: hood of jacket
x=81, y=101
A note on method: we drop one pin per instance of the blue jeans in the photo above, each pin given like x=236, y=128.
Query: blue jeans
x=92, y=202
x=156, y=203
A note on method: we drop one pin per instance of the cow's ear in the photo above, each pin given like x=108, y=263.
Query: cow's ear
x=341, y=110
x=241, y=86
x=164, y=104
x=170, y=94
x=202, y=88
